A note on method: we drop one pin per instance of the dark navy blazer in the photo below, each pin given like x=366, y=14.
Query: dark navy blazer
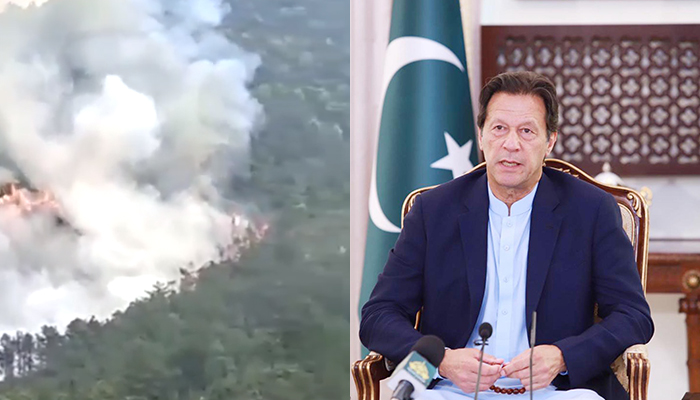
x=578, y=255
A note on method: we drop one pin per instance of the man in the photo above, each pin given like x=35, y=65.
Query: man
x=497, y=244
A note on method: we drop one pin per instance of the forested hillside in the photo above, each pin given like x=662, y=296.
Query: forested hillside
x=274, y=324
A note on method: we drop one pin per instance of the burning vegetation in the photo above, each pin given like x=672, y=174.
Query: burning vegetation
x=21, y=200
x=17, y=200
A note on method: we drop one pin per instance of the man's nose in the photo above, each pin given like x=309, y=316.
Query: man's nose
x=512, y=141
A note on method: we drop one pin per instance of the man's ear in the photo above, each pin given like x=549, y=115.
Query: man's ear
x=552, y=142
x=478, y=138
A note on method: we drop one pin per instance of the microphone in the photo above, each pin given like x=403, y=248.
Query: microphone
x=413, y=375
x=533, y=329
x=485, y=331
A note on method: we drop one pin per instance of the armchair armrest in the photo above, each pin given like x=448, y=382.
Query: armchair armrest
x=632, y=370
x=367, y=374
x=638, y=370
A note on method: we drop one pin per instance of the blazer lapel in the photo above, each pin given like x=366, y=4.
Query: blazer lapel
x=544, y=230
x=473, y=226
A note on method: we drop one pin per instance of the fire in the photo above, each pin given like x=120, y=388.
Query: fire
x=244, y=234
x=23, y=201
x=20, y=201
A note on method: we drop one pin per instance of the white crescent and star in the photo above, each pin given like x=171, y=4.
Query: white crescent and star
x=457, y=158
x=399, y=53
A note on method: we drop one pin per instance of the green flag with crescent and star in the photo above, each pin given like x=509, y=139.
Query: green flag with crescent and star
x=427, y=132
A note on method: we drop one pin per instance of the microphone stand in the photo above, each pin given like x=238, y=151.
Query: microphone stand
x=479, y=342
x=532, y=345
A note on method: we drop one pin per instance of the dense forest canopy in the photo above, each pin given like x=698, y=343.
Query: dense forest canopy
x=273, y=324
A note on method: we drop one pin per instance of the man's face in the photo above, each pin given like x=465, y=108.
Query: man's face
x=514, y=142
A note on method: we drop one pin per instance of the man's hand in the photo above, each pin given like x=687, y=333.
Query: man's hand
x=547, y=363
x=461, y=365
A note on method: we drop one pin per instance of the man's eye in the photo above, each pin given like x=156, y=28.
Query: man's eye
x=526, y=130
x=499, y=127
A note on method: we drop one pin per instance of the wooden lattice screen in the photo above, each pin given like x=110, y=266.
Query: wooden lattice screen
x=629, y=94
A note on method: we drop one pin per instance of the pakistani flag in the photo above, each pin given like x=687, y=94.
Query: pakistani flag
x=427, y=131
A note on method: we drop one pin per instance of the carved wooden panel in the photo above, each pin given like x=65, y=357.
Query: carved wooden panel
x=629, y=95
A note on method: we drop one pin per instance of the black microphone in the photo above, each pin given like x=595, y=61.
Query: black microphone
x=533, y=329
x=485, y=331
x=413, y=375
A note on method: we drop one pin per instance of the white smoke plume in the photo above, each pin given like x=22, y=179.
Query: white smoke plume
x=134, y=113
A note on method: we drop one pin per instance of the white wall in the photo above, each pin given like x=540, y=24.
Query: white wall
x=370, y=19
x=668, y=349
x=589, y=12
x=671, y=194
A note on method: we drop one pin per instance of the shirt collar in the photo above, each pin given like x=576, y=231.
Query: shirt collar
x=519, y=207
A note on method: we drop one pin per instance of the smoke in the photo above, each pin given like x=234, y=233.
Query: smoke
x=136, y=114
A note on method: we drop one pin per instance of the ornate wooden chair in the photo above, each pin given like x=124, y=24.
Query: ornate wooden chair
x=632, y=368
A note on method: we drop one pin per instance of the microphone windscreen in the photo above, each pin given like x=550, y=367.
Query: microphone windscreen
x=432, y=348
x=485, y=330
